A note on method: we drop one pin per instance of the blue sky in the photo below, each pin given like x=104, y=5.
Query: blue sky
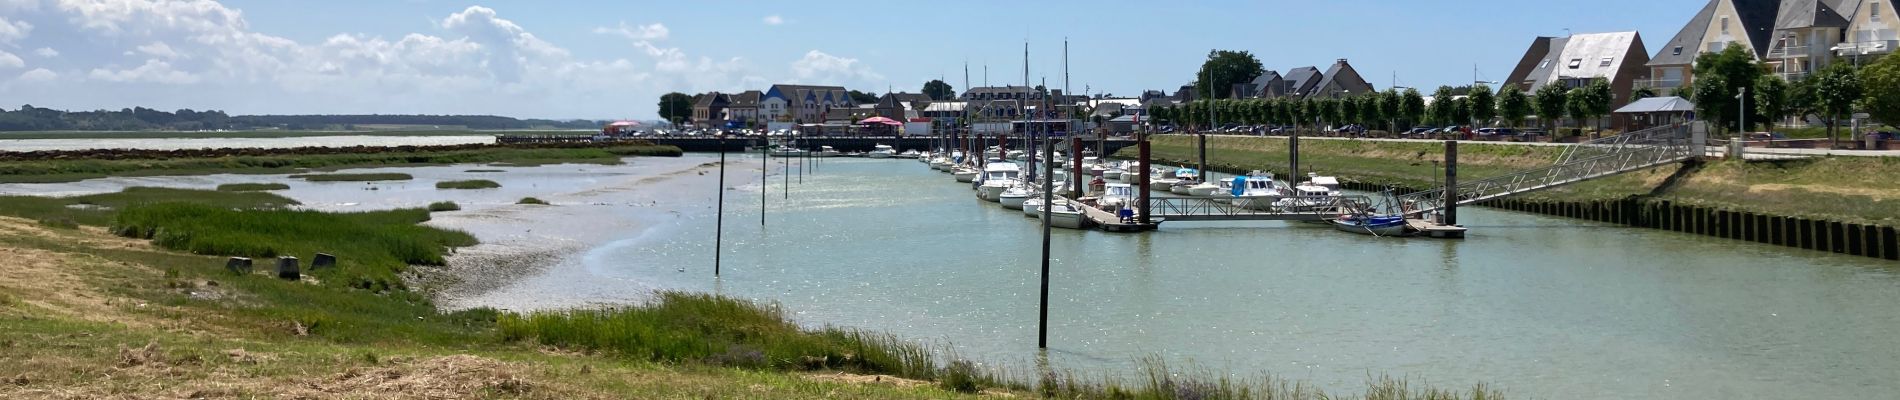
x=576, y=59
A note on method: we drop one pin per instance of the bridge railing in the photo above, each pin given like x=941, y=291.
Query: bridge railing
x=1603, y=157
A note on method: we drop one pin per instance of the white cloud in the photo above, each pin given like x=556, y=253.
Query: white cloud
x=159, y=50
x=46, y=52
x=774, y=20
x=38, y=75
x=653, y=31
x=153, y=71
x=818, y=66
x=8, y=60
x=11, y=31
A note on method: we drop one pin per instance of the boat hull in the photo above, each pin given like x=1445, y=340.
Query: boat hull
x=1011, y=201
x=1203, y=191
x=965, y=176
x=1374, y=227
x=991, y=193
x=1066, y=220
x=1179, y=189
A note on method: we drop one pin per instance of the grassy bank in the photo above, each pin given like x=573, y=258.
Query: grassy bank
x=1837, y=188
x=251, y=187
x=468, y=184
x=80, y=168
x=146, y=309
x=271, y=134
x=368, y=177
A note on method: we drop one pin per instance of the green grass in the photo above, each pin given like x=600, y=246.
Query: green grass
x=444, y=206
x=82, y=168
x=468, y=184
x=366, y=177
x=98, y=209
x=371, y=247
x=484, y=170
x=251, y=187
x=272, y=134
x=531, y=200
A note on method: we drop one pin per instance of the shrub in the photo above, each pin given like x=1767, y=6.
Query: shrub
x=531, y=200
x=251, y=187
x=354, y=177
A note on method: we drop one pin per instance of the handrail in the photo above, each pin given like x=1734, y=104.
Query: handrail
x=1597, y=158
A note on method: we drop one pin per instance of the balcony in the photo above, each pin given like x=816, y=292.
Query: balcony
x=1792, y=76
x=1784, y=52
x=1850, y=49
x=1663, y=86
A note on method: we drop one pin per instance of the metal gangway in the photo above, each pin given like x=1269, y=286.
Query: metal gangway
x=1291, y=208
x=1609, y=156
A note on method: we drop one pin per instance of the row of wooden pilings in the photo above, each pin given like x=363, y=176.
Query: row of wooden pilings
x=1809, y=234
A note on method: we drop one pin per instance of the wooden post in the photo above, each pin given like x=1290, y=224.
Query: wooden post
x=719, y=222
x=1141, y=145
x=1889, y=249
x=1075, y=165
x=1048, y=207
x=1451, y=184
x=765, y=166
x=1854, y=239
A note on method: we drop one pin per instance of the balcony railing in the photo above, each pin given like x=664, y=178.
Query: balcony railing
x=1792, y=76
x=1789, y=52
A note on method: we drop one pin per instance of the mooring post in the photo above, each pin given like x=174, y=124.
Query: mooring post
x=765, y=169
x=1201, y=144
x=322, y=260
x=1450, y=216
x=719, y=222
x=238, y=265
x=1048, y=207
x=1293, y=155
x=1141, y=145
x=1075, y=165
x=287, y=268
x=787, y=164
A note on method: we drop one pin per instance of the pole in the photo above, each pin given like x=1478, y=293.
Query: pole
x=786, y=162
x=765, y=169
x=1048, y=205
x=1141, y=142
x=719, y=224
x=1451, y=184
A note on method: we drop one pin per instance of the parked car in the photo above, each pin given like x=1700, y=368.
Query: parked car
x=1422, y=130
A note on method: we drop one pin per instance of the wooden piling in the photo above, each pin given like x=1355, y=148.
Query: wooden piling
x=1836, y=240
x=1889, y=248
x=1806, y=233
x=1450, y=217
x=1854, y=240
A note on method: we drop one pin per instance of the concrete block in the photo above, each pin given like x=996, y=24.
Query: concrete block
x=238, y=265
x=323, y=260
x=287, y=268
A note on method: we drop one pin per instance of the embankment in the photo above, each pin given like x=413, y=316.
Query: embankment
x=1841, y=204
x=71, y=166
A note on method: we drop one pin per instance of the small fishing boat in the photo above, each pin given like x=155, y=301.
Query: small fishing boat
x=882, y=151
x=1065, y=214
x=965, y=174
x=997, y=177
x=1256, y=191
x=1375, y=225
x=1014, y=197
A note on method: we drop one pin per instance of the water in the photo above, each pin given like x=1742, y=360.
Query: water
x=1542, y=307
x=265, y=143
x=1546, y=307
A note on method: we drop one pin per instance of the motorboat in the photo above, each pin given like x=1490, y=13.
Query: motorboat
x=1032, y=206
x=1016, y=154
x=1256, y=191
x=1116, y=195
x=965, y=173
x=1014, y=197
x=1206, y=189
x=882, y=151
x=998, y=176
x=788, y=151
x=910, y=154
x=1375, y=225
x=1065, y=214
x=826, y=151
x=1113, y=172
x=1308, y=197
x=1330, y=183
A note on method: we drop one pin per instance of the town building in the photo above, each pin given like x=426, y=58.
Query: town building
x=1268, y=84
x=1794, y=37
x=1576, y=60
x=709, y=110
x=803, y=103
x=1339, y=80
x=743, y=108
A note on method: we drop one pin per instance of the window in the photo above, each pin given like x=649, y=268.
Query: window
x=1677, y=52
x=1606, y=62
x=1724, y=25
x=1876, y=12
x=1576, y=63
x=1545, y=64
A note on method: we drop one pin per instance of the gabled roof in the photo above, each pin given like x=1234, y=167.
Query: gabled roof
x=1343, y=75
x=1797, y=14
x=1301, y=79
x=1758, y=22
x=1587, y=52
x=1682, y=49
x=714, y=99
x=749, y=98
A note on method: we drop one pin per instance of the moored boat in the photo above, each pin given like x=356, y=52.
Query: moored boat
x=882, y=151
x=1376, y=225
x=997, y=177
x=1014, y=197
x=1066, y=214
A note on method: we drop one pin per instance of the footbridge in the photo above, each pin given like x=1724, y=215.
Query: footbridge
x=1605, y=157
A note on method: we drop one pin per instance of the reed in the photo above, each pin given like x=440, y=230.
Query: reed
x=365, y=177
x=251, y=187
x=468, y=184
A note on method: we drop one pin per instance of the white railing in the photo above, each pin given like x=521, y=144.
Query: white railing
x=1580, y=162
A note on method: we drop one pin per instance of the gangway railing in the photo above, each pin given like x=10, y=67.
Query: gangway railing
x=1599, y=158
x=1291, y=208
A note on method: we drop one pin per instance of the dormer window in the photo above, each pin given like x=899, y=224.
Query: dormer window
x=1545, y=64
x=1576, y=63
x=1677, y=51
x=1606, y=62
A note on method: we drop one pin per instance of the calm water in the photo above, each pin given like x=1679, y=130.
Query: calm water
x=1543, y=307
x=1552, y=308
x=202, y=143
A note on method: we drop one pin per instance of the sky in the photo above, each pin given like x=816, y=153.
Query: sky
x=612, y=60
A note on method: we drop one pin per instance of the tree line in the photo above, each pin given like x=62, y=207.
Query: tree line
x=30, y=118
x=1393, y=110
